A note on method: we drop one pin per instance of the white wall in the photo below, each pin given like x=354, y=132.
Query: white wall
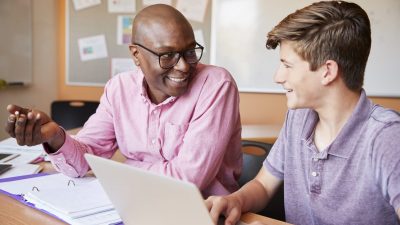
x=43, y=89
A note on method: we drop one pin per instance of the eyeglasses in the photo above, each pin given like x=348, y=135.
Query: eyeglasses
x=167, y=60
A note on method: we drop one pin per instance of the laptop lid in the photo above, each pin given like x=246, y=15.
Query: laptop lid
x=145, y=198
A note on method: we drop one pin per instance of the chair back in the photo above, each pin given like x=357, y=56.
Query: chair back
x=72, y=114
x=254, y=154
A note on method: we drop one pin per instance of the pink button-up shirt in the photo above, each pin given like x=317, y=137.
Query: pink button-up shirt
x=195, y=137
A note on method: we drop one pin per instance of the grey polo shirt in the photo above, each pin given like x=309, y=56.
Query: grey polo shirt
x=355, y=180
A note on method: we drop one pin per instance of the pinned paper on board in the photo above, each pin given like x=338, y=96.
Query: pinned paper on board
x=121, y=6
x=124, y=30
x=152, y=2
x=93, y=47
x=82, y=4
x=193, y=9
x=119, y=65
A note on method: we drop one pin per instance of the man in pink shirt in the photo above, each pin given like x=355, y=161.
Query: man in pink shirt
x=172, y=115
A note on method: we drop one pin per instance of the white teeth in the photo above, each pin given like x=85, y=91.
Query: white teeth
x=177, y=79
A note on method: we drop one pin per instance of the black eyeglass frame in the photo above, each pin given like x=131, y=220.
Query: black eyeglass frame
x=181, y=54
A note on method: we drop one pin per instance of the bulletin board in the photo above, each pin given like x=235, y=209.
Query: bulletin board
x=16, y=41
x=240, y=27
x=97, y=21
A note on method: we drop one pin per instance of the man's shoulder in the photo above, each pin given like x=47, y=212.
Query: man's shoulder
x=383, y=115
x=125, y=78
x=214, y=73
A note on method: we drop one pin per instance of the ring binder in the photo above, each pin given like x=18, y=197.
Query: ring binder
x=35, y=188
x=84, y=204
x=71, y=182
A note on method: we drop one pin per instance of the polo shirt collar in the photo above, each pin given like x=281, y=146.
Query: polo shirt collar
x=345, y=142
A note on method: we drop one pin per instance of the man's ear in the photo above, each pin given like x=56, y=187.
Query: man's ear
x=330, y=72
x=134, y=52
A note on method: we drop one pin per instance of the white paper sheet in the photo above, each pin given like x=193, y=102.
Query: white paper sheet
x=26, y=154
x=119, y=65
x=192, y=9
x=152, y=2
x=20, y=170
x=82, y=4
x=42, y=183
x=93, y=47
x=121, y=6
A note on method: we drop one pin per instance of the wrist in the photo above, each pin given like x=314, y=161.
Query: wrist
x=56, y=142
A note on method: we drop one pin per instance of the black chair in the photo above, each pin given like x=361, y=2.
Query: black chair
x=72, y=114
x=254, y=154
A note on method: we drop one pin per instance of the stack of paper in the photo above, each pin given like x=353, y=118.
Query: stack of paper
x=20, y=170
x=77, y=201
x=26, y=154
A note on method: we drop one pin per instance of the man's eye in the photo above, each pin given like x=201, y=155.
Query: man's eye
x=169, y=55
x=191, y=52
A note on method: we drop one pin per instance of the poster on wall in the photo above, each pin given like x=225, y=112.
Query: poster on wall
x=193, y=9
x=152, y=2
x=121, y=6
x=83, y=4
x=119, y=65
x=124, y=30
x=93, y=47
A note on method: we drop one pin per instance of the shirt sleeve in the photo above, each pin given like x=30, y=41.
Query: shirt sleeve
x=213, y=132
x=275, y=161
x=96, y=137
x=386, y=162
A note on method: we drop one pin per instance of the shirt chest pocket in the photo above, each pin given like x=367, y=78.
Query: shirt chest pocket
x=173, y=139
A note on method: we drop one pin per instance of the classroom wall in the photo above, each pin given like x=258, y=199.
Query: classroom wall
x=43, y=89
x=255, y=108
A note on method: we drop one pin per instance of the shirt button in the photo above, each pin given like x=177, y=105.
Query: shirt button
x=153, y=141
x=315, y=159
x=314, y=174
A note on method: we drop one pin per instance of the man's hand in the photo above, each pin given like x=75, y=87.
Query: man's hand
x=32, y=127
x=229, y=206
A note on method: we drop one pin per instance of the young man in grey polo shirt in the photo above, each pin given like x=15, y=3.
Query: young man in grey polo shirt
x=338, y=153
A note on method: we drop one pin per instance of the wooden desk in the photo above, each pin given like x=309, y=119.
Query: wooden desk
x=264, y=133
x=13, y=212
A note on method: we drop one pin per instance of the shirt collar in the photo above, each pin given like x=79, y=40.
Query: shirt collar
x=143, y=90
x=344, y=143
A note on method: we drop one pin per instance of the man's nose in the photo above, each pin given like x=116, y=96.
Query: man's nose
x=182, y=65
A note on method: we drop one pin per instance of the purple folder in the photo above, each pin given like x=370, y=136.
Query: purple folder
x=21, y=199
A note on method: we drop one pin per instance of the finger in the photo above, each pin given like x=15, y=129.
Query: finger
x=30, y=123
x=232, y=216
x=13, y=108
x=37, y=135
x=218, y=205
x=208, y=202
x=20, y=129
x=10, y=125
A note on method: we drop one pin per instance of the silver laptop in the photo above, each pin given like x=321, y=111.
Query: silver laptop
x=145, y=198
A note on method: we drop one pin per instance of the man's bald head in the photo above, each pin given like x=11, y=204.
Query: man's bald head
x=159, y=17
